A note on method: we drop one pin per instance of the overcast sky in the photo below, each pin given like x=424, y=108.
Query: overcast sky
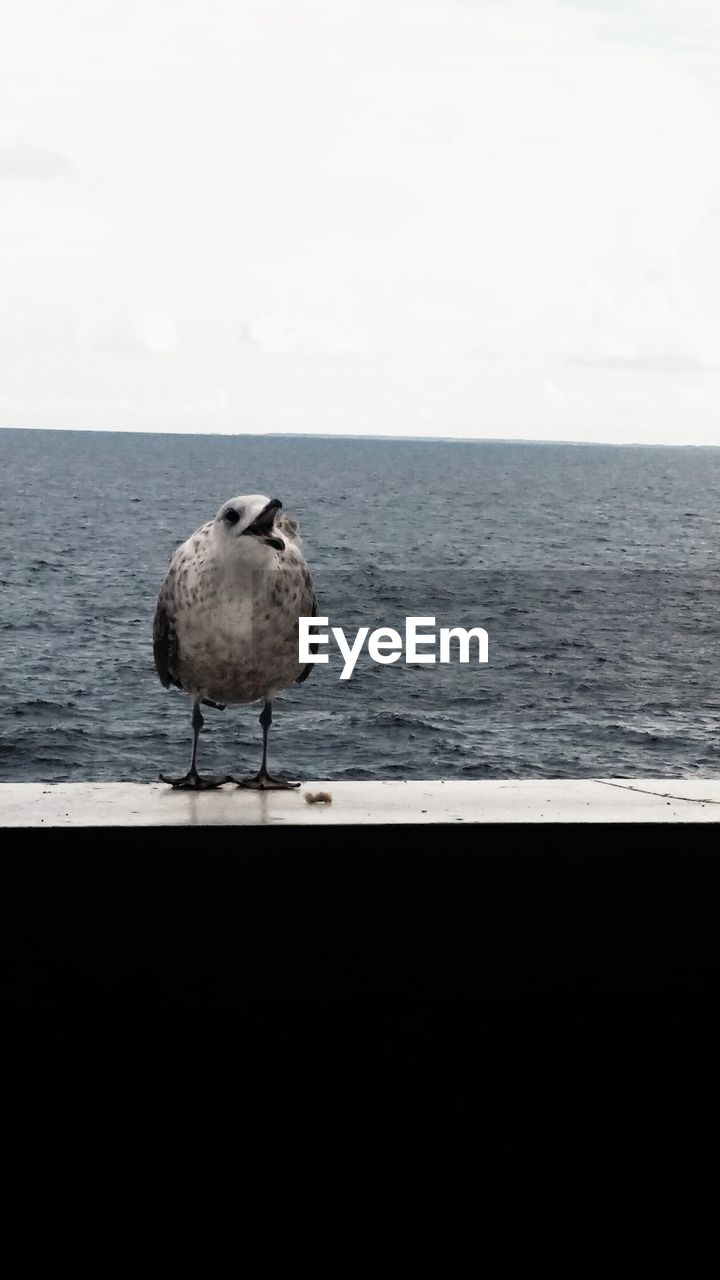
x=418, y=217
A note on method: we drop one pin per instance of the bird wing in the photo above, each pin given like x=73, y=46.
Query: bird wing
x=165, y=645
x=314, y=647
x=289, y=527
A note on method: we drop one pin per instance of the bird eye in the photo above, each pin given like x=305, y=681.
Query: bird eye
x=231, y=516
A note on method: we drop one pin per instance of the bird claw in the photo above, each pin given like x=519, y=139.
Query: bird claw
x=194, y=782
x=264, y=781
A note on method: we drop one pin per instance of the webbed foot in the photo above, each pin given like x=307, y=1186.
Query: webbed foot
x=192, y=781
x=264, y=781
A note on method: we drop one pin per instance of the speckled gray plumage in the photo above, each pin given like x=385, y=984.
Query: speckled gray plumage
x=226, y=622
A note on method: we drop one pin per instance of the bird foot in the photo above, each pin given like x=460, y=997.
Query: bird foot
x=264, y=781
x=192, y=781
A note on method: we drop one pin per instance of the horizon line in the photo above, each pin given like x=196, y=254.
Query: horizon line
x=338, y=435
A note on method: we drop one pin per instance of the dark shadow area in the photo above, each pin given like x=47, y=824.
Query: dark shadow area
x=467, y=914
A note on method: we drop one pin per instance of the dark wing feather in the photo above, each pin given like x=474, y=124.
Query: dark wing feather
x=314, y=647
x=165, y=647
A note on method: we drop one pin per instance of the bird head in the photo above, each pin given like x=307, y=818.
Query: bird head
x=250, y=516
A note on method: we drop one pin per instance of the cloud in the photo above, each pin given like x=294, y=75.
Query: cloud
x=149, y=332
x=280, y=333
x=651, y=362
x=33, y=162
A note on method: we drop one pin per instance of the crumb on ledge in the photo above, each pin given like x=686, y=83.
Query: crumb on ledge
x=317, y=797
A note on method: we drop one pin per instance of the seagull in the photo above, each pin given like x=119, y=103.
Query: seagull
x=226, y=622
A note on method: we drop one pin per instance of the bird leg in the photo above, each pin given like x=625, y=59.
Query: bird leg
x=264, y=781
x=191, y=781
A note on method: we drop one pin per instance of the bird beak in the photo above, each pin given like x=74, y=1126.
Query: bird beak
x=262, y=526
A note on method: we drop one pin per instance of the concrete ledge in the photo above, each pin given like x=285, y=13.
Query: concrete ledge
x=87, y=804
